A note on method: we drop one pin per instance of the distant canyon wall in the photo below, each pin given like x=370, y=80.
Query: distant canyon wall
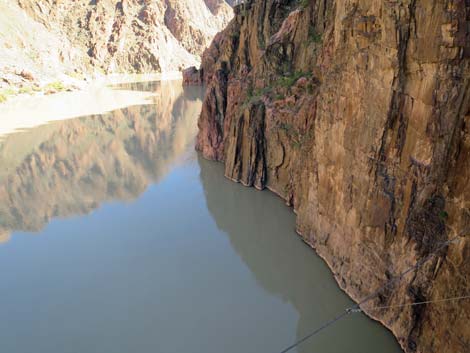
x=42, y=40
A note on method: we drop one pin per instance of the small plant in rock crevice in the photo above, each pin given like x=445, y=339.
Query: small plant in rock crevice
x=289, y=80
x=254, y=95
x=297, y=138
x=304, y=3
x=443, y=215
x=314, y=36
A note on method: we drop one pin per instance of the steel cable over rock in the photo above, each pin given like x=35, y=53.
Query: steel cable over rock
x=357, y=307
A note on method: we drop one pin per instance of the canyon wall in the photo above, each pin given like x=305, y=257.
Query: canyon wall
x=357, y=113
x=42, y=40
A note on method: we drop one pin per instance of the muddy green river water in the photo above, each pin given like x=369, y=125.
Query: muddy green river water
x=117, y=237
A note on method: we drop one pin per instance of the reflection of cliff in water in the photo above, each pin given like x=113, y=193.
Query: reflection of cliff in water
x=261, y=230
x=70, y=167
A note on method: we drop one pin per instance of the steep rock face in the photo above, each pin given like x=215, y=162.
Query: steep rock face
x=357, y=113
x=49, y=38
x=195, y=25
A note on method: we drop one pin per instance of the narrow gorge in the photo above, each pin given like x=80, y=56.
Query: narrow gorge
x=357, y=114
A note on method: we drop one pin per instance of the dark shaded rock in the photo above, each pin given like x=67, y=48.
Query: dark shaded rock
x=192, y=76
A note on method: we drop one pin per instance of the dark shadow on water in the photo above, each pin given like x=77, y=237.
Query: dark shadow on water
x=261, y=229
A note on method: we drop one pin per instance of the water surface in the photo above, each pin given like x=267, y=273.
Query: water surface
x=118, y=237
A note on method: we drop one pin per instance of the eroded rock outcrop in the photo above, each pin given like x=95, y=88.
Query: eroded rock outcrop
x=50, y=38
x=357, y=113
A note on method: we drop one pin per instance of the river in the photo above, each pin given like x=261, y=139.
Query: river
x=117, y=237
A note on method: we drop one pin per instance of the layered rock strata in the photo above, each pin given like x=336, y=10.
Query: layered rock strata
x=45, y=40
x=357, y=113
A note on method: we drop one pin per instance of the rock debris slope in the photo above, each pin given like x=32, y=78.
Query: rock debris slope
x=357, y=113
x=48, y=38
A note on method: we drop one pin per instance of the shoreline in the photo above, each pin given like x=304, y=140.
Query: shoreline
x=96, y=97
x=71, y=84
x=324, y=258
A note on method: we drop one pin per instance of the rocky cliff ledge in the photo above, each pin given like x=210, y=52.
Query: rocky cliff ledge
x=357, y=113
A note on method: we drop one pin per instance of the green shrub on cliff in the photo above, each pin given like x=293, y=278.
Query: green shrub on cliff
x=443, y=215
x=26, y=90
x=304, y=3
x=4, y=94
x=289, y=80
x=255, y=95
x=56, y=86
x=314, y=36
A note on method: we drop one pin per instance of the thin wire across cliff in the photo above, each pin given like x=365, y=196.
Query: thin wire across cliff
x=357, y=307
